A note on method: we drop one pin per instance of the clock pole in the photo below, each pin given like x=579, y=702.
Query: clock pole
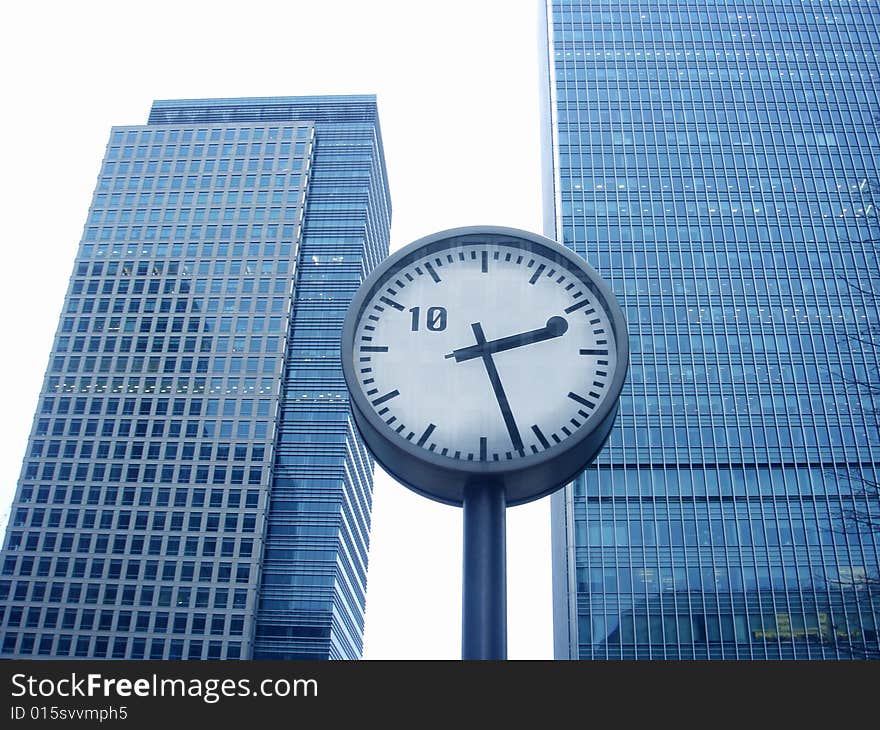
x=484, y=585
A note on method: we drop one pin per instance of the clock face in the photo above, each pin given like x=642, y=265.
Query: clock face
x=484, y=352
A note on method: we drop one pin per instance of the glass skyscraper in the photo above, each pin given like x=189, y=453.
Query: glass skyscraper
x=193, y=485
x=717, y=161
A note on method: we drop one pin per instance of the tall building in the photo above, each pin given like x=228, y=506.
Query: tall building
x=193, y=485
x=716, y=162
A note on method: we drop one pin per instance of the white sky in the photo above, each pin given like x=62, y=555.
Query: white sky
x=458, y=102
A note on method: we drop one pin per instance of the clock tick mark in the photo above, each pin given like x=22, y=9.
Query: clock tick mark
x=580, y=399
x=427, y=433
x=588, y=351
x=483, y=448
x=575, y=307
x=391, y=303
x=484, y=262
x=374, y=348
x=433, y=272
x=382, y=399
x=541, y=437
x=537, y=274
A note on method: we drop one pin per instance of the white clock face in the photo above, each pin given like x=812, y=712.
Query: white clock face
x=484, y=352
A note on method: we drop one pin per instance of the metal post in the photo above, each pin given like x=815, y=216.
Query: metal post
x=484, y=589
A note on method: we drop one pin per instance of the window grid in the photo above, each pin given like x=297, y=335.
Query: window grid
x=715, y=165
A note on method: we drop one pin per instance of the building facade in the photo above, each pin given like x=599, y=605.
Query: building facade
x=193, y=486
x=717, y=162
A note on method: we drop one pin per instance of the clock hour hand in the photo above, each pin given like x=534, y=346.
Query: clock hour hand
x=556, y=327
x=497, y=388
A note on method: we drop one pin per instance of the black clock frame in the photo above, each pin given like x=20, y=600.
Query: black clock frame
x=443, y=478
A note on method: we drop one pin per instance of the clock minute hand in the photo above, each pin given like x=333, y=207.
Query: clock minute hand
x=498, y=389
x=556, y=327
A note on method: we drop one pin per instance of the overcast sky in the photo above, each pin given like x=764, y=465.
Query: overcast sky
x=458, y=102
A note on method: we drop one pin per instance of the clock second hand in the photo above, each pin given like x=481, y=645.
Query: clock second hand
x=495, y=380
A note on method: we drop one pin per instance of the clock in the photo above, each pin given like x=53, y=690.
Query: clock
x=484, y=355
